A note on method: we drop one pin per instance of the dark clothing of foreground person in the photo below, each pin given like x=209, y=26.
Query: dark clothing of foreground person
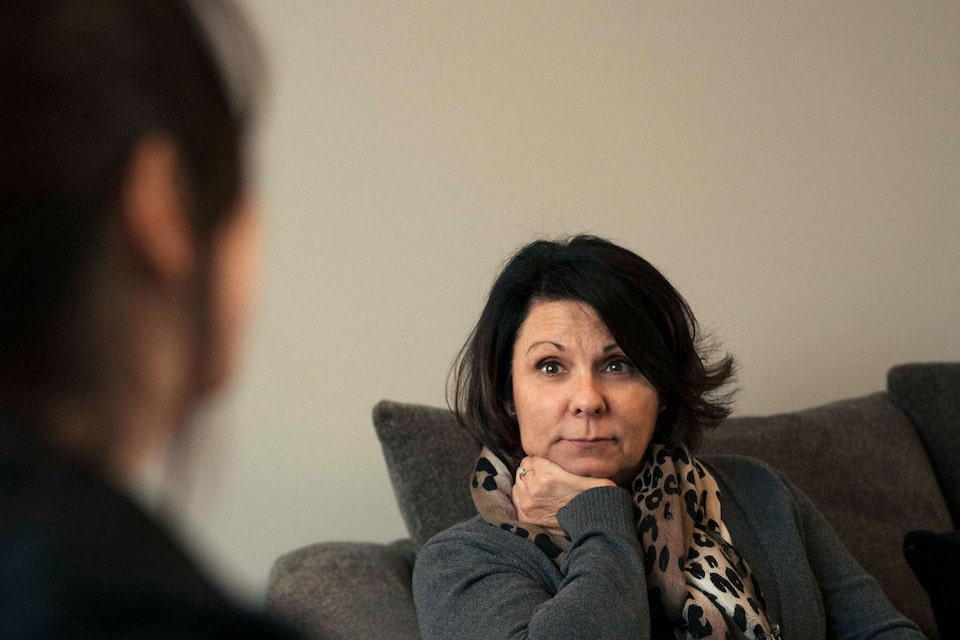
x=79, y=559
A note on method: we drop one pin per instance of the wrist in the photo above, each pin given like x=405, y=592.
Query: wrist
x=606, y=507
x=593, y=483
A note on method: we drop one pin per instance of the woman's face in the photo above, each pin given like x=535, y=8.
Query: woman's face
x=579, y=400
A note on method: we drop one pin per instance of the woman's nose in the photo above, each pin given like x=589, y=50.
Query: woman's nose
x=588, y=397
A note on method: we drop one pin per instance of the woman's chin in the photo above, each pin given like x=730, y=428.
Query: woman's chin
x=590, y=468
x=600, y=470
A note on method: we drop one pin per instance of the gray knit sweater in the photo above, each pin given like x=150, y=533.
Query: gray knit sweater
x=478, y=581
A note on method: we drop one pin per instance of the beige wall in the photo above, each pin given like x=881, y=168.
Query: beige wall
x=795, y=170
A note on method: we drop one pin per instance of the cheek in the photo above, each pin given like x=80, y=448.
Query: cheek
x=242, y=269
x=235, y=290
x=532, y=436
x=644, y=422
x=539, y=414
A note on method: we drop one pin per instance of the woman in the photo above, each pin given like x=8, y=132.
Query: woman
x=126, y=261
x=587, y=384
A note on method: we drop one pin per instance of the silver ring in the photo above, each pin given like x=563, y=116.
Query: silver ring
x=521, y=472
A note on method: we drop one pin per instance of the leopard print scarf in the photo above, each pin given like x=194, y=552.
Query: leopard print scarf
x=695, y=576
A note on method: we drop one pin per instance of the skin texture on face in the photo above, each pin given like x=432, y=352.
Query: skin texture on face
x=579, y=400
x=235, y=283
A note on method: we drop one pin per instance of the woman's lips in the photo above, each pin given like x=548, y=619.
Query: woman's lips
x=589, y=443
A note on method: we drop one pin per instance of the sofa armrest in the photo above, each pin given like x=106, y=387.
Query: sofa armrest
x=341, y=590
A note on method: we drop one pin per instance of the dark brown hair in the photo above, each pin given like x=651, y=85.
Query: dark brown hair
x=647, y=317
x=83, y=81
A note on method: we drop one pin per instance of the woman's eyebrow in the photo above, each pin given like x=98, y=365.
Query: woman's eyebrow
x=613, y=346
x=556, y=345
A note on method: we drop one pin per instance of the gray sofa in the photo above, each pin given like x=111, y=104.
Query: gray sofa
x=876, y=466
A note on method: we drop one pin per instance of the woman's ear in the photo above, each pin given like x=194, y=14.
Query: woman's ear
x=153, y=214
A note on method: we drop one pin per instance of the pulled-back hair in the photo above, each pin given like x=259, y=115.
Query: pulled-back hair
x=646, y=316
x=83, y=81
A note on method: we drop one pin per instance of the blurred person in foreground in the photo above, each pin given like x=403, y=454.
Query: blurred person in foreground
x=588, y=385
x=128, y=247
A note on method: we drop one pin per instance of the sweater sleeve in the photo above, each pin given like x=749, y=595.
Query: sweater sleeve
x=855, y=605
x=487, y=583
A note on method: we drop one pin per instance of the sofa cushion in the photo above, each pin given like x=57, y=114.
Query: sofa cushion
x=429, y=459
x=861, y=463
x=930, y=395
x=320, y=589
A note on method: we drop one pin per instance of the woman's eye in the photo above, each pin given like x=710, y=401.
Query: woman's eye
x=620, y=366
x=550, y=368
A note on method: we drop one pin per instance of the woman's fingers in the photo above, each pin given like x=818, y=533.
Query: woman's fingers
x=543, y=487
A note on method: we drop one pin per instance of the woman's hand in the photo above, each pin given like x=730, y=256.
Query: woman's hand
x=545, y=488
